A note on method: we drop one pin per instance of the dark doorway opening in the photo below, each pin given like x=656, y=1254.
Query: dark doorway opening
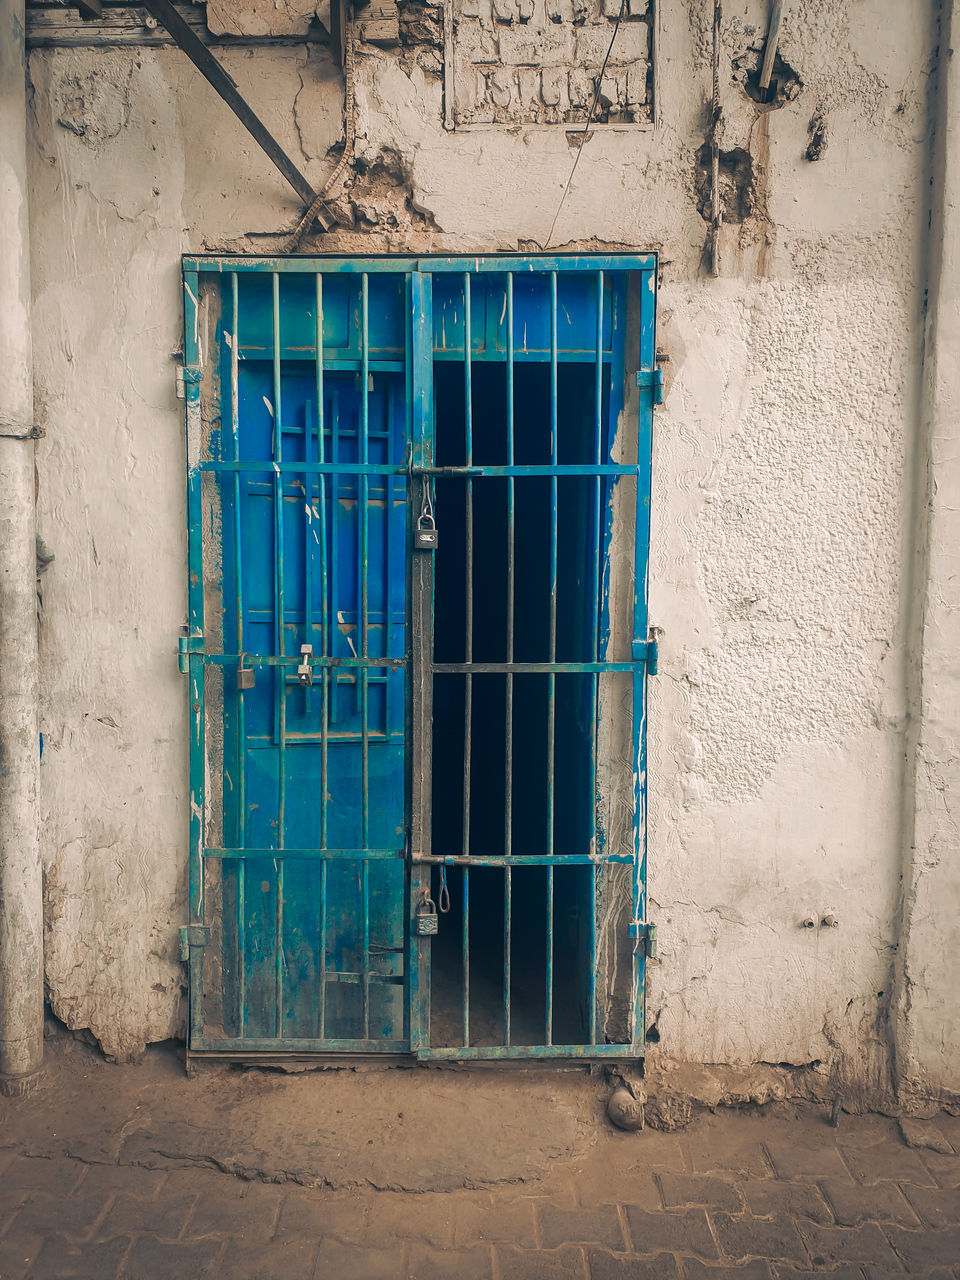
x=538, y=797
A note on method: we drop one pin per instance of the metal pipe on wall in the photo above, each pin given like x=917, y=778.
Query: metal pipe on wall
x=21, y=898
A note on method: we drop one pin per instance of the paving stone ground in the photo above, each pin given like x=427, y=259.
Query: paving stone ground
x=769, y=1194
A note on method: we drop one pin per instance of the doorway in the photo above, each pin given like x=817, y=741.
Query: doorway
x=404, y=757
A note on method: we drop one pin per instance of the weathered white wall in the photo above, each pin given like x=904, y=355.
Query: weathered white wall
x=783, y=455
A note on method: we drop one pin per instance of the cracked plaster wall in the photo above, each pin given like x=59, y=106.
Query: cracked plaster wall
x=782, y=454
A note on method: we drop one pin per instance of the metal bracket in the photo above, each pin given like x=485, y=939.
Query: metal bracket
x=193, y=935
x=652, y=378
x=188, y=645
x=648, y=651
x=647, y=934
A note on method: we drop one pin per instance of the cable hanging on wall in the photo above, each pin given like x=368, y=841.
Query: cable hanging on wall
x=349, y=140
x=587, y=122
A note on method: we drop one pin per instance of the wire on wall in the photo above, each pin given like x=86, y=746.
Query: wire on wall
x=349, y=139
x=587, y=122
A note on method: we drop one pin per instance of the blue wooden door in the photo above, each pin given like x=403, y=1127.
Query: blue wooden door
x=320, y=424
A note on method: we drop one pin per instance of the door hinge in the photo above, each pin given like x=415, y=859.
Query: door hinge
x=193, y=935
x=652, y=378
x=188, y=645
x=647, y=934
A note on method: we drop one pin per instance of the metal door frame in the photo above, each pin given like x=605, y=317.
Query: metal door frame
x=419, y=274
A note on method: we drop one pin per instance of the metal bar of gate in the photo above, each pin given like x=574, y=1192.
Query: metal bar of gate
x=399, y=469
x=552, y=649
x=241, y=911
x=325, y=673
x=364, y=641
x=324, y=586
x=279, y=683
x=595, y=652
x=468, y=645
x=508, y=707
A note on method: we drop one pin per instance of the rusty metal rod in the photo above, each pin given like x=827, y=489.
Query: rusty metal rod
x=223, y=82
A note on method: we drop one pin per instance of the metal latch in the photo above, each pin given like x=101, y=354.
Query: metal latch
x=305, y=670
x=188, y=645
x=193, y=935
x=647, y=934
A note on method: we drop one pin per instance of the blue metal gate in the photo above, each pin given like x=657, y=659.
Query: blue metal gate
x=376, y=728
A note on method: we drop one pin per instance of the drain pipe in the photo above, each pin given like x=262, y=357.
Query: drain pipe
x=21, y=890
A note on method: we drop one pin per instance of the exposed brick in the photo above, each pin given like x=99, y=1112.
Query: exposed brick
x=681, y=1189
x=320, y=1215
x=74, y=1218
x=424, y=1263
x=888, y=1162
x=129, y=1216
x=623, y=1266
x=829, y=1245
x=571, y=1226
x=755, y=1270
x=250, y=1217
x=758, y=1238
x=63, y=1259
x=766, y=1196
x=854, y=1203
x=151, y=1259
x=292, y=1258
x=805, y=1159
x=337, y=1260
x=922, y=1249
x=58, y=1177
x=530, y=1264
x=678, y=1232
x=939, y=1208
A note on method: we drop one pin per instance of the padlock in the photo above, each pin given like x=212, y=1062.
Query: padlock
x=427, y=919
x=425, y=534
x=246, y=676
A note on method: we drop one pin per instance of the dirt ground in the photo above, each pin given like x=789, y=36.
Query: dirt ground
x=413, y=1173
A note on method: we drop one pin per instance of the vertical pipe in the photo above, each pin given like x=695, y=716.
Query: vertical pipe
x=508, y=708
x=281, y=671
x=364, y=644
x=21, y=900
x=324, y=615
